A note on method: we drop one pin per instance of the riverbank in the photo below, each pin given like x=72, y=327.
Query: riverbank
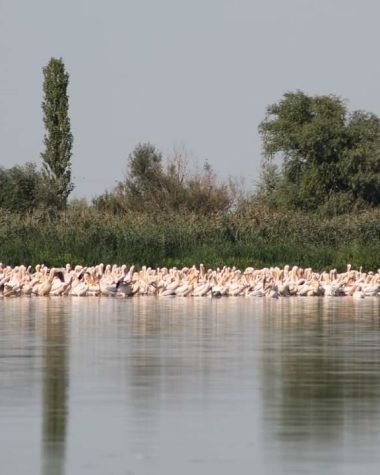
x=259, y=238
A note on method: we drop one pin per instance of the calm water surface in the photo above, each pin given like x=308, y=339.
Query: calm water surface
x=189, y=386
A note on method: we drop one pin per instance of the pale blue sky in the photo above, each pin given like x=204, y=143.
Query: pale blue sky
x=198, y=73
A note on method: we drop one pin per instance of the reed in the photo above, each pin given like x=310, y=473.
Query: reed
x=256, y=238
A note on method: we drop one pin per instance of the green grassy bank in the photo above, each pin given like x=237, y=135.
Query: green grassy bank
x=258, y=238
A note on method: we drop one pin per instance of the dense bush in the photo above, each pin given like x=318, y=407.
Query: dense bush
x=152, y=186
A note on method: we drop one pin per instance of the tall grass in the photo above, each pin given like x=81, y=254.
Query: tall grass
x=258, y=238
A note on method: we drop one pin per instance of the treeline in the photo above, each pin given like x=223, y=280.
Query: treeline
x=316, y=202
x=318, y=158
x=152, y=186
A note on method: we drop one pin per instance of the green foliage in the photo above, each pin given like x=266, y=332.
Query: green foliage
x=317, y=203
x=152, y=187
x=145, y=182
x=257, y=237
x=58, y=139
x=23, y=188
x=206, y=195
x=330, y=158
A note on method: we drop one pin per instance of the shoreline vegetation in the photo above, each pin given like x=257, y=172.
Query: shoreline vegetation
x=258, y=238
x=316, y=203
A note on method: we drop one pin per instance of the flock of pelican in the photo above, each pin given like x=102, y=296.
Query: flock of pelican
x=121, y=281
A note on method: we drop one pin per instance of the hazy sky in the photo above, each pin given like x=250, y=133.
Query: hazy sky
x=196, y=73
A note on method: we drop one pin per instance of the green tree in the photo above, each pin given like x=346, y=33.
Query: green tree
x=329, y=158
x=144, y=184
x=150, y=186
x=58, y=139
x=21, y=188
x=205, y=195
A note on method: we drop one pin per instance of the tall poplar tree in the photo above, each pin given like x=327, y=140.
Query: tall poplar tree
x=58, y=138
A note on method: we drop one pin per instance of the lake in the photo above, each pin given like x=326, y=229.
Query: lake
x=189, y=386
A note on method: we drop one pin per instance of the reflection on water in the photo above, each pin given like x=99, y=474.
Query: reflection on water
x=54, y=383
x=326, y=362
x=190, y=385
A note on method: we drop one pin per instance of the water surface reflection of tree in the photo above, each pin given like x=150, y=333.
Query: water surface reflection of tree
x=55, y=386
x=322, y=366
x=168, y=363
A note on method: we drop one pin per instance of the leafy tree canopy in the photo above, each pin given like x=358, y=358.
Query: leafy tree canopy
x=23, y=188
x=330, y=158
x=151, y=186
